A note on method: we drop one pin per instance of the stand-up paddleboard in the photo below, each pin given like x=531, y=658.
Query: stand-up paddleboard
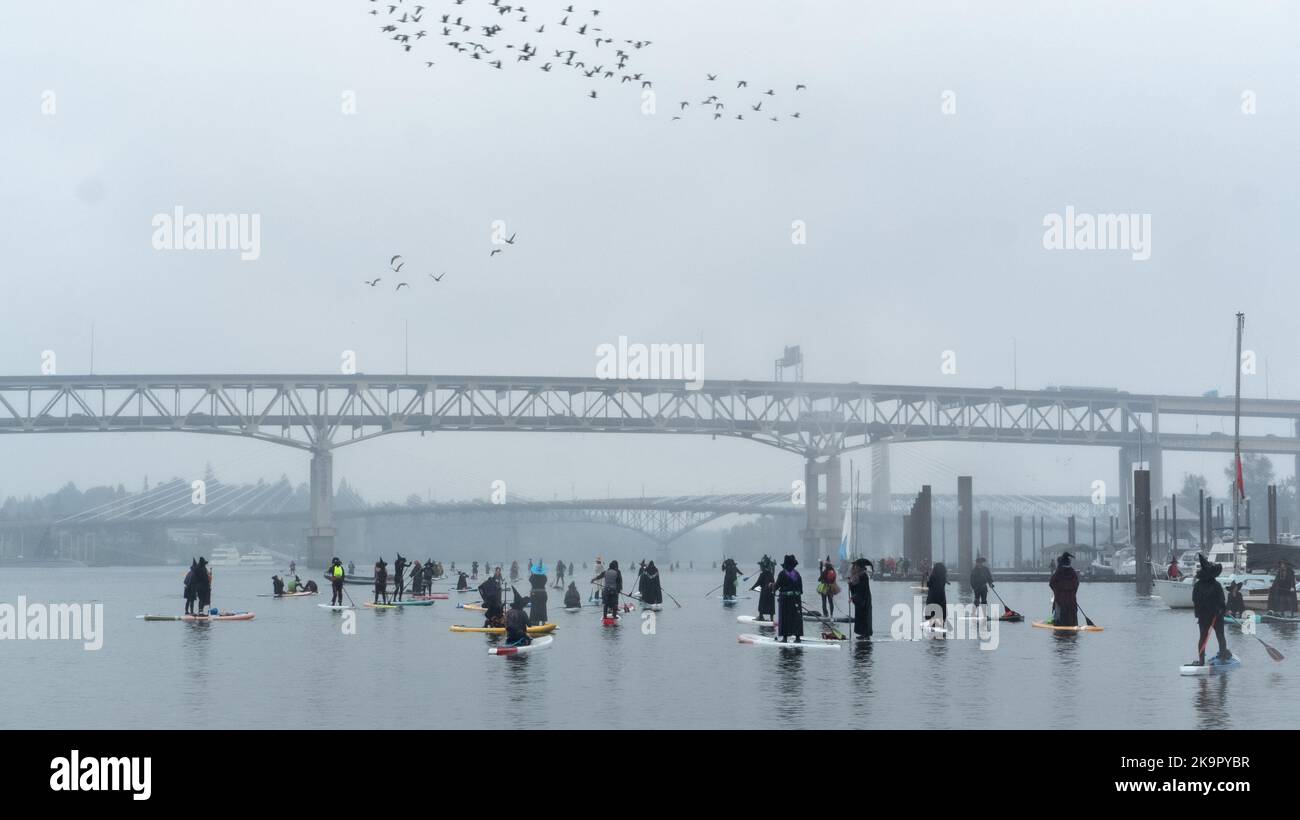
x=416, y=602
x=752, y=620
x=1214, y=664
x=287, y=594
x=472, y=607
x=432, y=596
x=607, y=621
x=335, y=607
x=730, y=601
x=465, y=590
x=1080, y=628
x=543, y=642
x=573, y=609
x=928, y=628
x=735, y=597
x=920, y=589
x=1252, y=617
x=225, y=616
x=806, y=643
x=373, y=605
x=653, y=607
x=501, y=630
x=1280, y=619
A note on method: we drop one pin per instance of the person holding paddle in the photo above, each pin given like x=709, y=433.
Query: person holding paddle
x=1208, y=604
x=381, y=581
x=980, y=581
x=336, y=582
x=936, y=596
x=860, y=595
x=764, y=584
x=1065, y=588
x=827, y=587
x=789, y=594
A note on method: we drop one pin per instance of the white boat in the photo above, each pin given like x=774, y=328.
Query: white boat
x=224, y=556
x=256, y=558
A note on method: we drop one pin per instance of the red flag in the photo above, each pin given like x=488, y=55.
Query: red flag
x=1241, y=484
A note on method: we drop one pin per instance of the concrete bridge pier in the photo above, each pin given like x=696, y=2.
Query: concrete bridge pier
x=880, y=496
x=821, y=534
x=320, y=535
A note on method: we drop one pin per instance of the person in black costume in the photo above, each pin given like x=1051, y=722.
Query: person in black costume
x=572, y=598
x=516, y=622
x=729, y=573
x=649, y=586
x=490, y=591
x=399, y=567
x=860, y=595
x=980, y=581
x=191, y=591
x=461, y=582
x=277, y=585
x=202, y=585
x=381, y=581
x=1065, y=589
x=789, y=597
x=1209, y=605
x=936, y=597
x=537, y=581
x=766, y=595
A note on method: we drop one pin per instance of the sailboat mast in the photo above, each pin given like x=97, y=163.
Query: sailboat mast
x=1236, y=447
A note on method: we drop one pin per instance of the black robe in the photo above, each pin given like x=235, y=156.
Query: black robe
x=729, y=573
x=766, y=598
x=937, y=594
x=1065, y=584
x=789, y=596
x=516, y=623
x=203, y=585
x=651, y=592
x=860, y=595
x=572, y=598
x=538, y=597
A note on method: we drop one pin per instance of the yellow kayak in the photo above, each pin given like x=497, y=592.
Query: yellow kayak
x=500, y=630
x=1080, y=628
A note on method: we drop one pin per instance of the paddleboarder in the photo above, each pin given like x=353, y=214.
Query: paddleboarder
x=514, y=571
x=1208, y=604
x=789, y=596
x=381, y=581
x=559, y=575
x=336, y=582
x=729, y=574
x=352, y=568
x=766, y=595
x=191, y=590
x=399, y=567
x=537, y=581
x=980, y=581
x=490, y=592
x=473, y=570
x=417, y=577
x=1065, y=588
x=649, y=586
x=462, y=581
x=827, y=587
x=572, y=598
x=203, y=584
x=516, y=622
x=597, y=589
x=611, y=583
x=936, y=596
x=277, y=585
x=860, y=595
x=1236, y=601
x=1281, y=595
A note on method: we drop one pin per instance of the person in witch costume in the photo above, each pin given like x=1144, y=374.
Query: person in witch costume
x=491, y=593
x=766, y=595
x=649, y=587
x=516, y=622
x=1065, y=588
x=537, y=580
x=399, y=567
x=729, y=573
x=203, y=585
x=461, y=582
x=936, y=596
x=191, y=591
x=381, y=581
x=860, y=595
x=572, y=598
x=789, y=596
x=1281, y=595
x=1209, y=605
x=1236, y=601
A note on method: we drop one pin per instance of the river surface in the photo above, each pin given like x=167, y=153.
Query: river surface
x=293, y=666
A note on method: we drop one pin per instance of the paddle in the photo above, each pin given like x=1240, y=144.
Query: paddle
x=715, y=589
x=670, y=595
x=1085, y=615
x=1272, y=653
x=1007, y=610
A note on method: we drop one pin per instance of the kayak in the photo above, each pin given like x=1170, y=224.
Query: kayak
x=754, y=621
x=287, y=594
x=1082, y=628
x=543, y=642
x=806, y=643
x=225, y=616
x=1211, y=666
x=609, y=621
x=334, y=607
x=501, y=630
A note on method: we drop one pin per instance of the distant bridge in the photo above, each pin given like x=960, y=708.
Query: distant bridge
x=817, y=421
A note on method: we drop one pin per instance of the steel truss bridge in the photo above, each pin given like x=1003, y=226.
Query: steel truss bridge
x=817, y=421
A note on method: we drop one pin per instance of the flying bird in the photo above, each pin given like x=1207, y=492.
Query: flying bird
x=437, y=278
x=373, y=282
x=401, y=285
x=494, y=252
x=394, y=264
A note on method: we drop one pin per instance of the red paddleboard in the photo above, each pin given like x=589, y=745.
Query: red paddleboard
x=609, y=621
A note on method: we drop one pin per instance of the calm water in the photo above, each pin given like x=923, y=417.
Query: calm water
x=292, y=666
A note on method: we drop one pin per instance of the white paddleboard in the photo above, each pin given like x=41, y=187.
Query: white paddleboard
x=1210, y=666
x=806, y=643
x=538, y=644
x=333, y=607
x=754, y=621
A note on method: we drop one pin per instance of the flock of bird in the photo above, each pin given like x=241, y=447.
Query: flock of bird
x=479, y=33
x=397, y=262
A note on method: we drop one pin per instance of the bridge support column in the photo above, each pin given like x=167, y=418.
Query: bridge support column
x=1155, y=460
x=1142, y=530
x=965, y=520
x=1018, y=560
x=320, y=535
x=821, y=536
x=880, y=492
x=1125, y=490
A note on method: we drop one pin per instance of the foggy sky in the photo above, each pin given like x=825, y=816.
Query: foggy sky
x=925, y=230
